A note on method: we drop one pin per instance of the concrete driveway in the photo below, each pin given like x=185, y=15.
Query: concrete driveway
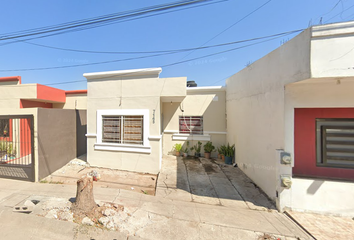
x=210, y=182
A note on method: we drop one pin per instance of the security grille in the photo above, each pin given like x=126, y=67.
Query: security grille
x=191, y=125
x=123, y=129
x=335, y=142
x=16, y=147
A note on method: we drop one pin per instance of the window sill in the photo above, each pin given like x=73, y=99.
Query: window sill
x=122, y=147
x=190, y=137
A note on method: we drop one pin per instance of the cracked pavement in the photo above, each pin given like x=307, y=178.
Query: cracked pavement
x=194, y=200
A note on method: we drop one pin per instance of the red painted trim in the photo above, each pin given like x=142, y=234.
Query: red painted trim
x=11, y=79
x=34, y=104
x=76, y=92
x=50, y=94
x=25, y=137
x=305, y=143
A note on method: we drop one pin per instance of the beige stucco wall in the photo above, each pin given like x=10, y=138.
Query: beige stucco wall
x=255, y=109
x=199, y=102
x=73, y=101
x=142, y=92
x=332, y=51
x=11, y=94
x=314, y=69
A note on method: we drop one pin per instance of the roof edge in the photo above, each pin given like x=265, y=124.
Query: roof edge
x=123, y=73
x=206, y=89
x=11, y=79
x=76, y=92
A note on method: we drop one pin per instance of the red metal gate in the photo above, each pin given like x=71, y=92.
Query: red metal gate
x=16, y=147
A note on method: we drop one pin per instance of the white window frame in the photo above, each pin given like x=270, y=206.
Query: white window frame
x=144, y=148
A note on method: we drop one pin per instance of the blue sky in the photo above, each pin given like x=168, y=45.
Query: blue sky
x=189, y=28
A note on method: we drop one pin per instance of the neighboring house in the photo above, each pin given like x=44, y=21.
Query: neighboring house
x=299, y=99
x=134, y=117
x=37, y=136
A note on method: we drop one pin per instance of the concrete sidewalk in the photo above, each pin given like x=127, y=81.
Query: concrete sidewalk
x=152, y=217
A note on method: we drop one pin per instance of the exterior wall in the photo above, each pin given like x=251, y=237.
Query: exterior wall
x=73, y=101
x=332, y=50
x=316, y=71
x=316, y=98
x=34, y=104
x=11, y=94
x=29, y=95
x=255, y=109
x=199, y=102
x=127, y=92
x=50, y=94
x=322, y=196
x=56, y=133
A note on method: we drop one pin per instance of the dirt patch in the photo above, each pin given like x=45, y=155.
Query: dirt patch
x=209, y=168
x=193, y=165
x=138, y=182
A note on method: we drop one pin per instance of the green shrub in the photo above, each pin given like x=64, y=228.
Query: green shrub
x=208, y=147
x=178, y=147
x=229, y=150
x=197, y=147
x=7, y=147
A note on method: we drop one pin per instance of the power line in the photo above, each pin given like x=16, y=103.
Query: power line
x=162, y=51
x=166, y=52
x=98, y=21
x=109, y=23
x=238, y=21
x=340, y=13
x=176, y=63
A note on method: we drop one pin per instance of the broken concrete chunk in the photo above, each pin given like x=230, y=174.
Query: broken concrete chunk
x=103, y=220
x=87, y=221
x=29, y=203
x=23, y=209
x=67, y=216
x=109, y=212
x=52, y=214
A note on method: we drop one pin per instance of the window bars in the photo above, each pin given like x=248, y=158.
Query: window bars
x=123, y=129
x=191, y=125
x=335, y=142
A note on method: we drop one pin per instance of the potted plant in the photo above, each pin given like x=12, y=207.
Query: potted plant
x=229, y=153
x=197, y=147
x=219, y=152
x=178, y=148
x=208, y=148
x=222, y=152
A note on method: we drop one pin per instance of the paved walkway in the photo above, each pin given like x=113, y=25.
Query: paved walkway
x=177, y=215
x=324, y=227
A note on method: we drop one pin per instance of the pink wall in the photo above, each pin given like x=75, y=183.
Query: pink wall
x=305, y=142
x=50, y=94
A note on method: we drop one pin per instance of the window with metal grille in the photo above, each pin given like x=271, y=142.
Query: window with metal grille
x=191, y=125
x=335, y=143
x=122, y=129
